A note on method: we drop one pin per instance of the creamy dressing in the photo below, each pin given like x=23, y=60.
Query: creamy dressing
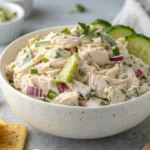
x=98, y=80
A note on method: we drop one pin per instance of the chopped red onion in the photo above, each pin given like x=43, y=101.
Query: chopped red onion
x=116, y=58
x=139, y=73
x=62, y=87
x=34, y=91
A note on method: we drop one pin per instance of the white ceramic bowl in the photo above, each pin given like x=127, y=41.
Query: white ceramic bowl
x=70, y=121
x=26, y=4
x=11, y=30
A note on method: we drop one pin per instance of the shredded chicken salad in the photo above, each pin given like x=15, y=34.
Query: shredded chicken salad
x=83, y=66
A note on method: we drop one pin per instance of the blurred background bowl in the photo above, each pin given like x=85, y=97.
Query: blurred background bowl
x=26, y=4
x=11, y=30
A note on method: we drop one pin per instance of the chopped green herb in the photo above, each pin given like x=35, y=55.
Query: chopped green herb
x=136, y=94
x=39, y=43
x=86, y=28
x=13, y=66
x=108, y=39
x=81, y=96
x=33, y=71
x=122, y=91
x=79, y=9
x=51, y=94
x=82, y=73
x=57, y=55
x=116, y=51
x=45, y=60
x=102, y=103
x=90, y=93
x=143, y=77
x=27, y=58
x=125, y=77
x=65, y=31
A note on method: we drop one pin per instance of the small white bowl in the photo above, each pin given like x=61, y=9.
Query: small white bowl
x=25, y=4
x=11, y=30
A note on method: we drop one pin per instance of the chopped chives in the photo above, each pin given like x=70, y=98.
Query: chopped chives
x=45, y=60
x=27, y=58
x=102, y=103
x=90, y=93
x=51, y=94
x=136, y=94
x=33, y=71
x=122, y=91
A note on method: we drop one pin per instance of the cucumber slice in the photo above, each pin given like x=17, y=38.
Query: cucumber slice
x=118, y=31
x=68, y=72
x=139, y=45
x=105, y=24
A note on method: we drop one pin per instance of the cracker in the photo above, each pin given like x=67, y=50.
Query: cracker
x=146, y=146
x=2, y=123
x=14, y=137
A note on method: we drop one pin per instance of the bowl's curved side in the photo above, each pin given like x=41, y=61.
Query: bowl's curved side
x=65, y=121
x=79, y=123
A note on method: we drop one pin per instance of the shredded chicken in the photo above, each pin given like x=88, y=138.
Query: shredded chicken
x=95, y=80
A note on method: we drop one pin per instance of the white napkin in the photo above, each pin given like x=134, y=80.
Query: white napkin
x=135, y=13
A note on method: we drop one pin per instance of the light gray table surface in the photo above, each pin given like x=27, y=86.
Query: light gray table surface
x=47, y=13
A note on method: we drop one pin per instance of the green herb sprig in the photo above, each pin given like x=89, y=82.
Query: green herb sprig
x=79, y=9
x=65, y=31
x=116, y=51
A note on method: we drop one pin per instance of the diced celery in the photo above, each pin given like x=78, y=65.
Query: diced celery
x=68, y=72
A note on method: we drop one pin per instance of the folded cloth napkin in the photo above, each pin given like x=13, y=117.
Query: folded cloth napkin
x=135, y=13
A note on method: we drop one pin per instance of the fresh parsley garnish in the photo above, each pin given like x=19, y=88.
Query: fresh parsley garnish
x=116, y=51
x=65, y=31
x=85, y=28
x=90, y=93
x=108, y=39
x=79, y=9
x=82, y=73
x=122, y=91
x=102, y=103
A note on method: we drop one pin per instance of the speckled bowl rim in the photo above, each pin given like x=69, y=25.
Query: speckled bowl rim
x=19, y=10
x=2, y=74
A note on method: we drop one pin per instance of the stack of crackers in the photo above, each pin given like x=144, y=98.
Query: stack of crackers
x=12, y=136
